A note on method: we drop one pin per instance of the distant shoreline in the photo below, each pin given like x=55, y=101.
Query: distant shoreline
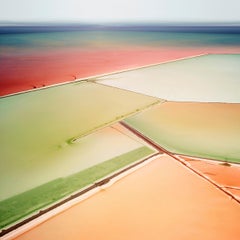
x=41, y=27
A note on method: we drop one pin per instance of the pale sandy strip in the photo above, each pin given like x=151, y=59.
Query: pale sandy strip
x=145, y=66
x=215, y=162
x=102, y=75
x=232, y=187
x=75, y=201
x=102, y=126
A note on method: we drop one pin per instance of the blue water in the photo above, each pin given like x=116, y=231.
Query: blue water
x=111, y=36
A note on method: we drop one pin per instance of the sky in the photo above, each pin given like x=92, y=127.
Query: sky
x=121, y=10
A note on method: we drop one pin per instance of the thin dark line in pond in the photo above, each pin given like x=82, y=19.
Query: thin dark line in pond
x=95, y=185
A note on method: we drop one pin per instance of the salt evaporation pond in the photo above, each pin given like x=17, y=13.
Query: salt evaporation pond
x=208, y=130
x=39, y=130
x=207, y=78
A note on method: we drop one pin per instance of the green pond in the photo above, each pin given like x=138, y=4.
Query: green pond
x=21, y=205
x=39, y=130
x=207, y=130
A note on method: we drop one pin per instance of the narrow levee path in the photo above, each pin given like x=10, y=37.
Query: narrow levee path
x=160, y=149
x=162, y=200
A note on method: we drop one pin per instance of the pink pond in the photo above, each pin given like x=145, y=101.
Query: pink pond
x=20, y=72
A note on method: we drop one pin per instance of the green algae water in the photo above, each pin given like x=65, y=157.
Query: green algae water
x=39, y=131
x=22, y=205
x=207, y=130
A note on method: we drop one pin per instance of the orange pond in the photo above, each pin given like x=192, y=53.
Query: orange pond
x=226, y=176
x=162, y=200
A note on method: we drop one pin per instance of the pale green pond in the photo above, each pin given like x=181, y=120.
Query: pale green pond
x=22, y=205
x=208, y=130
x=207, y=78
x=37, y=129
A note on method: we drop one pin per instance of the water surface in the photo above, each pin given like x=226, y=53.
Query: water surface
x=35, y=56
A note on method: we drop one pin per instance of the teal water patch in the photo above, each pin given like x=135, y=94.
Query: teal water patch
x=114, y=37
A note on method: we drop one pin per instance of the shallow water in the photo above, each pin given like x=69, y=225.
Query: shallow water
x=208, y=130
x=207, y=78
x=38, y=130
x=162, y=200
x=32, y=57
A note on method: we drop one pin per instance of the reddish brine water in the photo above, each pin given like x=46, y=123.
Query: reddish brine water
x=36, y=57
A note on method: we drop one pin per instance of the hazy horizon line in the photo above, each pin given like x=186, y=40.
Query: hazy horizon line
x=121, y=23
x=178, y=27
